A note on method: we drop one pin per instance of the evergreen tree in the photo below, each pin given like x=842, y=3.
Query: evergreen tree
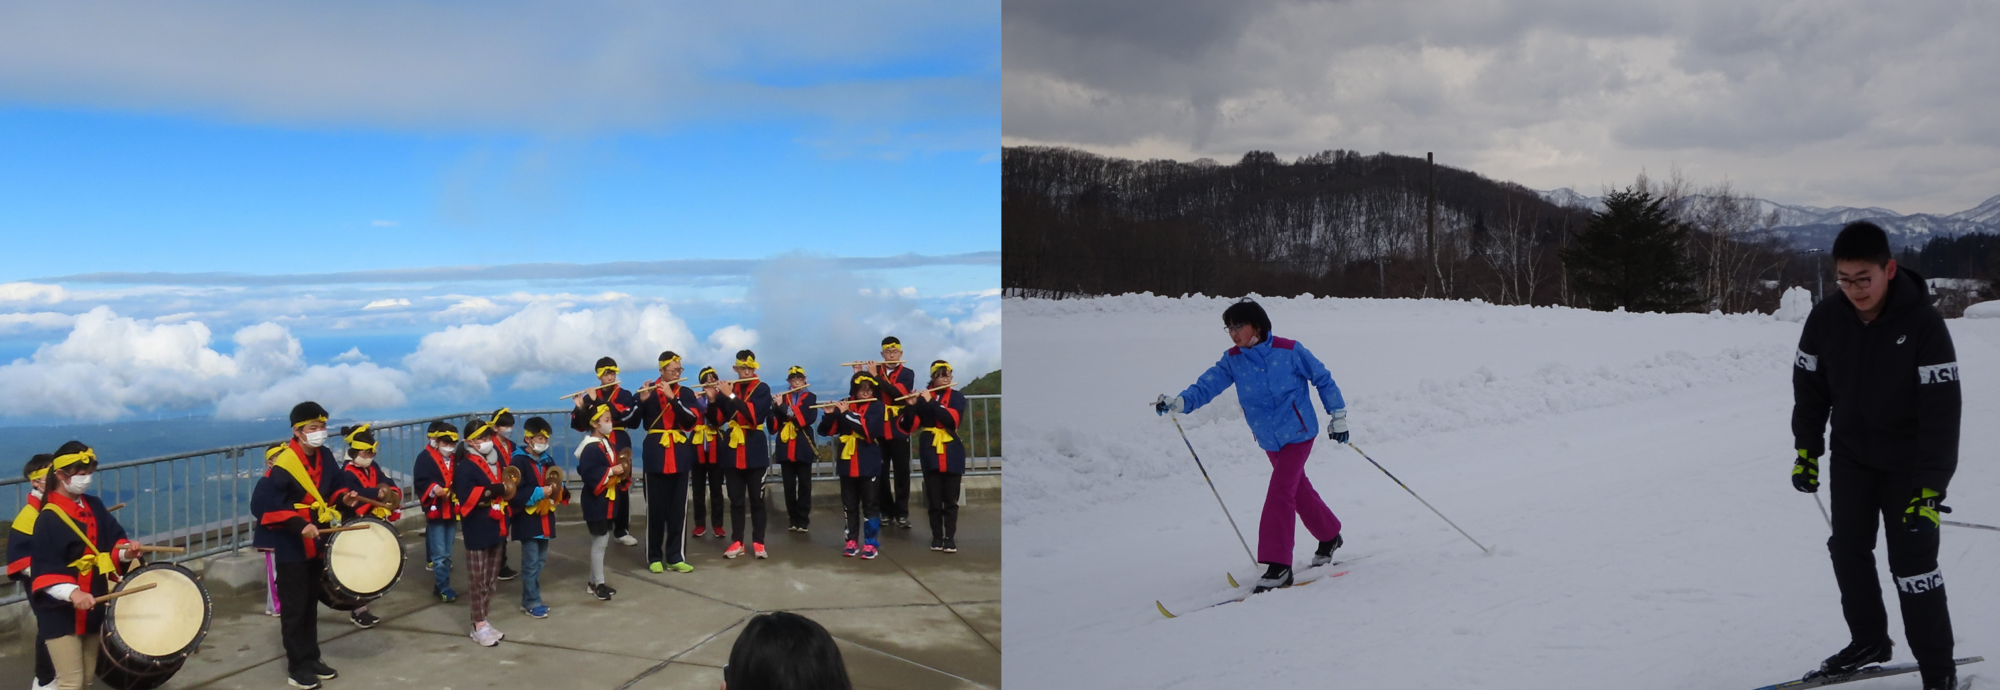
x=1632, y=255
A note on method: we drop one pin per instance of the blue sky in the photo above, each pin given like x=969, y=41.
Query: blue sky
x=202, y=199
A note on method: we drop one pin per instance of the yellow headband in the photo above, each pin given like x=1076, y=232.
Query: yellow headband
x=893, y=346
x=62, y=461
x=602, y=410
x=359, y=445
x=670, y=360
x=795, y=371
x=940, y=365
x=603, y=370
x=495, y=419
x=304, y=422
x=453, y=435
x=38, y=474
x=750, y=362
x=870, y=379
x=540, y=435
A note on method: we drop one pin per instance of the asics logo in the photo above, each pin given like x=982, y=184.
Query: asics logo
x=1806, y=361
x=1918, y=584
x=1938, y=373
x=1901, y=338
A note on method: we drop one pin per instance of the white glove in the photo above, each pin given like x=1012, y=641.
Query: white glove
x=1337, y=429
x=1164, y=405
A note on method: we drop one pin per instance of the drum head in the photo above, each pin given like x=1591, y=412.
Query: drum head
x=366, y=561
x=166, y=621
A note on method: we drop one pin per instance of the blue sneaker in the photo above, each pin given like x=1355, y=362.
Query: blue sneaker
x=447, y=596
x=539, y=611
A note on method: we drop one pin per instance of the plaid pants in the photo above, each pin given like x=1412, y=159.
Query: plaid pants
x=483, y=569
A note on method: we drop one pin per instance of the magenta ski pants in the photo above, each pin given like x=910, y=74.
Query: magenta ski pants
x=1291, y=493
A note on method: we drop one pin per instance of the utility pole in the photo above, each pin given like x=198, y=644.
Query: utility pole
x=1430, y=228
x=1819, y=275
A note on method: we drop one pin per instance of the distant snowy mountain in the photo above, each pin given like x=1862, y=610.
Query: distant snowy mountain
x=1812, y=226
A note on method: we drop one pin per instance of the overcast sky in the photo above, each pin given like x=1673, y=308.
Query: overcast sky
x=1823, y=102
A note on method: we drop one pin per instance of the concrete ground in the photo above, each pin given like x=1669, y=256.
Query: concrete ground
x=912, y=618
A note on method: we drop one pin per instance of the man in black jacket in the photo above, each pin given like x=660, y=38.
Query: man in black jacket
x=1878, y=358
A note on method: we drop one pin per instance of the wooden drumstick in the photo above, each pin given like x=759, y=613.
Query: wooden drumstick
x=123, y=592
x=364, y=499
x=114, y=509
x=343, y=528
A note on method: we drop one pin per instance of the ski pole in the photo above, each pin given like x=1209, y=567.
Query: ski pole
x=1420, y=499
x=1822, y=510
x=1211, y=489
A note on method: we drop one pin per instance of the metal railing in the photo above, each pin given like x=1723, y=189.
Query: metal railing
x=200, y=500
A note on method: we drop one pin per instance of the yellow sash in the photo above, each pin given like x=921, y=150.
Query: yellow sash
x=702, y=434
x=849, y=446
x=24, y=522
x=283, y=458
x=789, y=432
x=939, y=437
x=669, y=437
x=735, y=435
x=94, y=560
x=611, y=456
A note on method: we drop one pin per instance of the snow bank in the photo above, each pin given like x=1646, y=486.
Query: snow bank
x=1983, y=310
x=1795, y=305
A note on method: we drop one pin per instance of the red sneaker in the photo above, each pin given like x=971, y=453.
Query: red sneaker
x=851, y=549
x=735, y=549
x=700, y=530
x=868, y=552
x=718, y=532
x=759, y=549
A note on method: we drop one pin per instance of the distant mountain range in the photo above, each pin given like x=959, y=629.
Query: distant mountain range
x=1812, y=226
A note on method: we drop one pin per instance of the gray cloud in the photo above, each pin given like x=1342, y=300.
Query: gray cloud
x=569, y=67
x=671, y=272
x=1830, y=103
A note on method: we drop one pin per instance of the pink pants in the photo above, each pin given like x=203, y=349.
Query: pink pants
x=1291, y=493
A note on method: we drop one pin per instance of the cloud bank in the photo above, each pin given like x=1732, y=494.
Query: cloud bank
x=1820, y=103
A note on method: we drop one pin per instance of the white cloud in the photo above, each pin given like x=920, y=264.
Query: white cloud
x=546, y=338
x=31, y=293
x=728, y=339
x=470, y=309
x=353, y=354
x=387, y=303
x=111, y=365
x=34, y=321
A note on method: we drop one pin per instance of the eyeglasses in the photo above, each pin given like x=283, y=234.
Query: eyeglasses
x=1232, y=327
x=1855, y=283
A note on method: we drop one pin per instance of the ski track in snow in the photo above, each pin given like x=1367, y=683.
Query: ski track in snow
x=1630, y=471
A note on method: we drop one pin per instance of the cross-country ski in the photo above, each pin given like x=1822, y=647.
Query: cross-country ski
x=1819, y=680
x=1239, y=596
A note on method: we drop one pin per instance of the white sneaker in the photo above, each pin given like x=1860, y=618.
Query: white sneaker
x=36, y=684
x=629, y=540
x=486, y=635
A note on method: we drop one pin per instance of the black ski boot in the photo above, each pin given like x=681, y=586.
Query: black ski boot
x=1277, y=577
x=1325, y=553
x=1856, y=656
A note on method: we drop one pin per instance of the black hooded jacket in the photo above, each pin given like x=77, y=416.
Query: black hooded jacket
x=1891, y=385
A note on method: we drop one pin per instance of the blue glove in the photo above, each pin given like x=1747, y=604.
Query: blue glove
x=536, y=496
x=1164, y=405
x=1337, y=429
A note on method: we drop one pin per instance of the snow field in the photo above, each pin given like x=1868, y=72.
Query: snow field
x=1629, y=470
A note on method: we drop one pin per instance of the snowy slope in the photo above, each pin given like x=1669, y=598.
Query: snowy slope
x=1630, y=471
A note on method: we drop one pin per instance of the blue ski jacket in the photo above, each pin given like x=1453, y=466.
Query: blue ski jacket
x=1270, y=379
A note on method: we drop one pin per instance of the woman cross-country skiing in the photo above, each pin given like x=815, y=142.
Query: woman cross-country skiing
x=1271, y=376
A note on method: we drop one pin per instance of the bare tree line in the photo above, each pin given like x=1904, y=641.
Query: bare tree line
x=1337, y=223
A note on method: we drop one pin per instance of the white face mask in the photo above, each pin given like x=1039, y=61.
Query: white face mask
x=483, y=447
x=315, y=438
x=79, y=483
x=505, y=430
x=364, y=460
x=604, y=429
x=537, y=447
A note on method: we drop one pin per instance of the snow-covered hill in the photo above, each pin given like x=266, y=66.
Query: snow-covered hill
x=1630, y=471
x=1813, y=226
